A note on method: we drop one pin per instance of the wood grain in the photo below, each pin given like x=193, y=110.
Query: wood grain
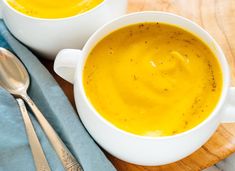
x=218, y=18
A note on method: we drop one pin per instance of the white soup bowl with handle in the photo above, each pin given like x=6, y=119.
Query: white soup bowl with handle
x=143, y=150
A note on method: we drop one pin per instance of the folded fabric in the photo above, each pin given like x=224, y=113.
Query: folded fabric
x=15, y=153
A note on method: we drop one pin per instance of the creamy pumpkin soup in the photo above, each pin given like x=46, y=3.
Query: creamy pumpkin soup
x=153, y=79
x=53, y=8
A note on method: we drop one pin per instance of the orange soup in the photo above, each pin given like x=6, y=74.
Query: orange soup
x=53, y=8
x=153, y=79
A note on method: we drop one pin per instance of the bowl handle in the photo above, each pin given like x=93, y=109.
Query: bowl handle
x=228, y=110
x=66, y=62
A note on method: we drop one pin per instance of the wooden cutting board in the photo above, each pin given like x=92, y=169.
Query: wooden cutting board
x=218, y=18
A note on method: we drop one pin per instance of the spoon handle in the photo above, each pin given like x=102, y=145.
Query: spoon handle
x=67, y=159
x=38, y=154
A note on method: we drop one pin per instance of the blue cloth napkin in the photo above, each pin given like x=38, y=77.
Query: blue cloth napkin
x=15, y=153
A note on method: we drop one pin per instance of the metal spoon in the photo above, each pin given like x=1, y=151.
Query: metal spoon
x=15, y=79
x=38, y=154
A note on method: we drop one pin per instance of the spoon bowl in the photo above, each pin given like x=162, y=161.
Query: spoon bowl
x=13, y=75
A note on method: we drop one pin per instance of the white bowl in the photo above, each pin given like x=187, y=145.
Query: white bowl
x=49, y=36
x=139, y=149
